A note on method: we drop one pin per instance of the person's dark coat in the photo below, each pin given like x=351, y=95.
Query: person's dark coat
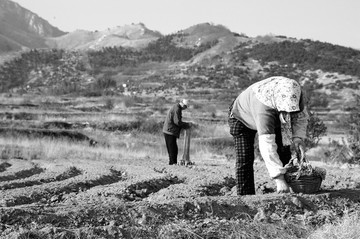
x=173, y=122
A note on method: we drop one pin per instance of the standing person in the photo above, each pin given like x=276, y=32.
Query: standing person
x=274, y=108
x=172, y=127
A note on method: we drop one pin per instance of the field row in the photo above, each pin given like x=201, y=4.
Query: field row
x=23, y=183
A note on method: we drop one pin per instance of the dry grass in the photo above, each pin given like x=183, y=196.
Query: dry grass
x=346, y=228
x=48, y=149
x=115, y=144
x=234, y=229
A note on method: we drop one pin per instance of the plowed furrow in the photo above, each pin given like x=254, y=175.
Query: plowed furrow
x=55, y=191
x=22, y=174
x=4, y=166
x=216, y=189
x=199, y=187
x=69, y=173
x=142, y=189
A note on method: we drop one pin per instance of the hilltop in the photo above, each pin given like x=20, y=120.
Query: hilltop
x=134, y=35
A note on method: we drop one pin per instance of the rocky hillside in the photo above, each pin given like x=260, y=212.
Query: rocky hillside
x=204, y=61
x=21, y=28
x=134, y=35
x=218, y=65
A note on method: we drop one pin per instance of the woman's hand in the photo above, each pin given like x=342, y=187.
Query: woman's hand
x=281, y=185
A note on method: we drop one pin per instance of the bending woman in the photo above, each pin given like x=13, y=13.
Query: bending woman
x=274, y=108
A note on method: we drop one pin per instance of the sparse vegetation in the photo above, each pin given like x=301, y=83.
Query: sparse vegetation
x=121, y=186
x=307, y=55
x=347, y=150
x=346, y=227
x=354, y=137
x=163, y=49
x=315, y=130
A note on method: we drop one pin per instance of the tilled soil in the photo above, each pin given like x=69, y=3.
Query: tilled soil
x=146, y=198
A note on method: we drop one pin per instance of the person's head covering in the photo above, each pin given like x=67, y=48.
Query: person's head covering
x=184, y=102
x=284, y=95
x=279, y=93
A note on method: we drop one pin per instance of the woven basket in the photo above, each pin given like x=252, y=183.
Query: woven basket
x=306, y=184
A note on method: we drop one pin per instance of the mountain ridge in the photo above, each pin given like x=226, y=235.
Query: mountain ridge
x=202, y=59
x=134, y=35
x=23, y=27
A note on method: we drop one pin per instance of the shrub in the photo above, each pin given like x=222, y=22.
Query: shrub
x=141, y=124
x=92, y=93
x=319, y=100
x=130, y=101
x=109, y=103
x=348, y=152
x=354, y=137
x=315, y=129
x=150, y=126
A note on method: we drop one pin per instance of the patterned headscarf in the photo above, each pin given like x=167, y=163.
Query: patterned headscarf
x=279, y=93
x=282, y=94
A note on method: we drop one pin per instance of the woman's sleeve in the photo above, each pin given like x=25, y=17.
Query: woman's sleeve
x=268, y=150
x=299, y=123
x=265, y=123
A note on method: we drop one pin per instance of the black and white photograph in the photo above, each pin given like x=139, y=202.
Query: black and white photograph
x=192, y=119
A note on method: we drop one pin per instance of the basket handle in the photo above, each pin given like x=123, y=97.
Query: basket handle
x=302, y=155
x=291, y=161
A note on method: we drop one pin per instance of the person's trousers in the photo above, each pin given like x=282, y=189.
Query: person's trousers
x=244, y=139
x=172, y=148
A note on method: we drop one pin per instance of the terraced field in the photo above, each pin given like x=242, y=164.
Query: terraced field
x=144, y=197
x=127, y=190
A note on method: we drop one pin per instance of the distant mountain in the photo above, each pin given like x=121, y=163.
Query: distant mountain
x=21, y=28
x=134, y=35
x=202, y=59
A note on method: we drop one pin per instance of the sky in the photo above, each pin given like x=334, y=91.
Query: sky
x=332, y=21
